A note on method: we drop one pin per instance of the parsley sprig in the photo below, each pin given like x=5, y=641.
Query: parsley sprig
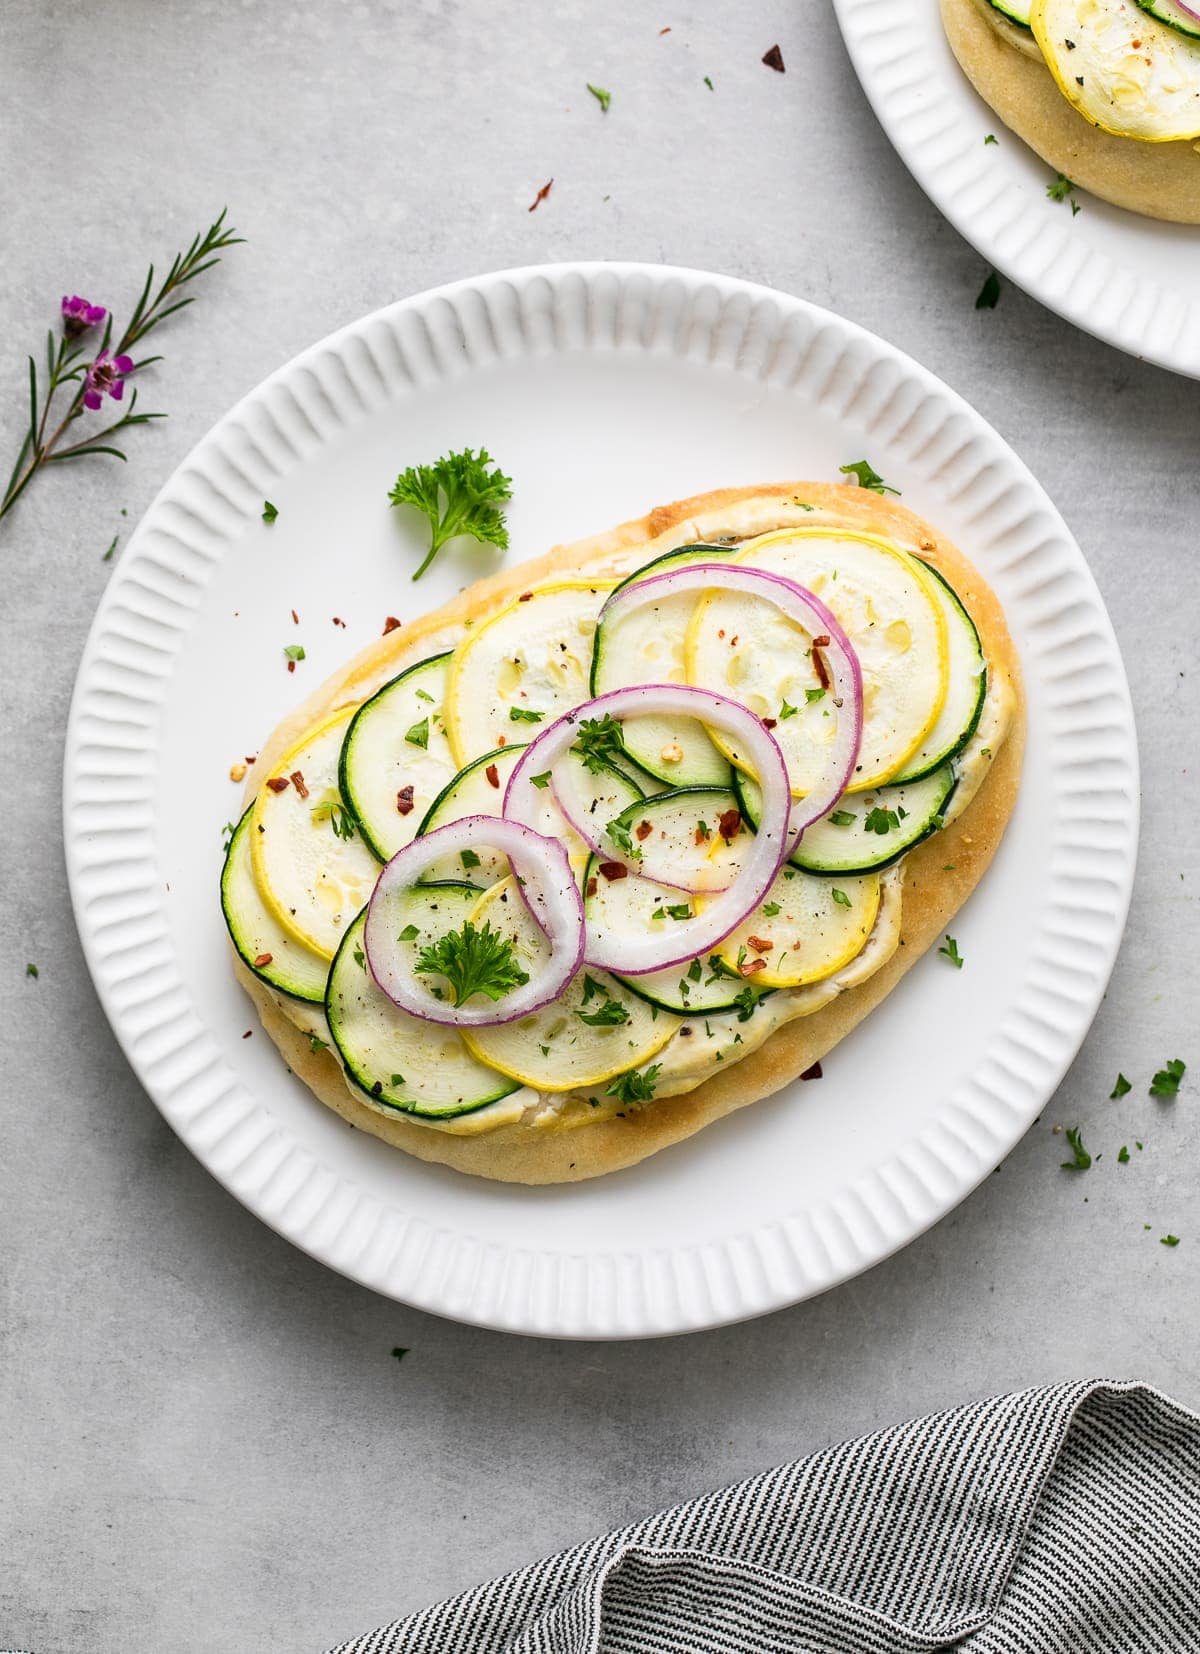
x=473, y=961
x=867, y=476
x=459, y=495
x=1166, y=1082
x=635, y=1087
x=598, y=742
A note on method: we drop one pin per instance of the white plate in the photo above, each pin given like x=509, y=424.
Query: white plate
x=602, y=389
x=1129, y=280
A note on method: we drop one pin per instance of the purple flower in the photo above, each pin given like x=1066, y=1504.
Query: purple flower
x=78, y=315
x=106, y=377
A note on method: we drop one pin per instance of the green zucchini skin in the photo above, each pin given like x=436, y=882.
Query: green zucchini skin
x=913, y=830
x=351, y=992
x=1168, y=15
x=951, y=749
x=368, y=712
x=293, y=969
x=1017, y=11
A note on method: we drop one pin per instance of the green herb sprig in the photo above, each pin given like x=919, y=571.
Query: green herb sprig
x=473, y=960
x=459, y=495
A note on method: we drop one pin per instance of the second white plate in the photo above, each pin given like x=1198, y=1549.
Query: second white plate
x=1131, y=281
x=601, y=389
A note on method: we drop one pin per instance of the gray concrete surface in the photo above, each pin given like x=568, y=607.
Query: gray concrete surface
x=206, y=1444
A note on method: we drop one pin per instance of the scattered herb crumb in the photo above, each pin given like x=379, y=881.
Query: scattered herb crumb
x=840, y=897
x=400, y=1352
x=950, y=951
x=991, y=138
x=1062, y=190
x=294, y=652
x=1168, y=1240
x=1123, y=1155
x=112, y=546
x=989, y=293
x=708, y=82
x=31, y=970
x=1166, y=1082
x=602, y=97
x=269, y=512
x=1120, y=1088
x=1082, y=1158
x=867, y=477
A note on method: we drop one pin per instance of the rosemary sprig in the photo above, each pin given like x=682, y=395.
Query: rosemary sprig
x=105, y=373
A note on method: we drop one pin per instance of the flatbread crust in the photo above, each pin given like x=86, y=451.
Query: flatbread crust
x=1158, y=180
x=931, y=894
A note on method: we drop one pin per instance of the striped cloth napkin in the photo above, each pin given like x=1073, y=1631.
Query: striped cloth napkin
x=1063, y=1520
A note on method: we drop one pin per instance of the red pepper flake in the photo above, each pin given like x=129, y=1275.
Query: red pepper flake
x=593, y=885
x=769, y=723
x=493, y=775
x=525, y=596
x=404, y=801
x=721, y=633
x=291, y=666
x=816, y=1072
x=751, y=967
x=774, y=60
x=541, y=195
x=250, y=760
x=642, y=830
x=701, y=834
x=263, y=959
x=667, y=30
x=390, y=624
x=297, y=780
x=278, y=783
x=502, y=740
x=613, y=870
x=760, y=944
x=729, y=824
x=733, y=641
x=818, y=660
x=295, y=618
x=338, y=621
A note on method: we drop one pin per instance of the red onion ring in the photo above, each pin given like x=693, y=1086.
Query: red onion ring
x=807, y=610
x=545, y=881
x=637, y=956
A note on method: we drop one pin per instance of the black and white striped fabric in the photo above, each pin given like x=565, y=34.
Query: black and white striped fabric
x=1055, y=1521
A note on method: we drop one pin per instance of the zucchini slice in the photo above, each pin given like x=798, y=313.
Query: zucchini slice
x=702, y=986
x=395, y=758
x=1166, y=11
x=263, y=945
x=1015, y=11
x=888, y=604
x=1124, y=71
x=647, y=646
x=696, y=833
x=866, y=832
x=966, y=688
x=595, y=1031
x=398, y=1061
x=478, y=789
x=526, y=665
x=314, y=872
x=806, y=928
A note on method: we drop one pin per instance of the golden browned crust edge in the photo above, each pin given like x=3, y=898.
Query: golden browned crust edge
x=931, y=895
x=1157, y=180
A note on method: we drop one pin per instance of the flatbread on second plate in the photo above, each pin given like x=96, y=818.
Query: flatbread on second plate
x=1158, y=180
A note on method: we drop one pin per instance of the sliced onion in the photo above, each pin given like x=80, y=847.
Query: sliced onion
x=638, y=955
x=1189, y=11
x=546, y=882
x=807, y=610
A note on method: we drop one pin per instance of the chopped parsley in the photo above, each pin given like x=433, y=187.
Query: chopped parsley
x=618, y=831
x=812, y=695
x=746, y=1003
x=598, y=742
x=695, y=971
x=634, y=1087
x=330, y=808
x=31, y=970
x=843, y=818
x=867, y=477
x=424, y=695
x=542, y=781
x=989, y=293
x=294, y=651
x=991, y=138
x=408, y=934
x=950, y=951
x=840, y=897
x=880, y=820
x=1121, y=1087
x=602, y=97
x=610, y=1014
x=680, y=910
x=468, y=858
x=400, y=1352
x=1123, y=1155
x=708, y=82
x=316, y=1043
x=771, y=909
x=1062, y=189
x=1168, y=1240
x=269, y=512
x=418, y=735
x=703, y=832
x=397, y=1079
x=786, y=710
x=459, y=495
x=360, y=959
x=1082, y=1159
x=1166, y=1082
x=473, y=960
x=524, y=715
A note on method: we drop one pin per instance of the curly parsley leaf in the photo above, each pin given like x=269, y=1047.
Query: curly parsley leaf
x=619, y=832
x=473, y=960
x=418, y=735
x=459, y=495
x=1120, y=1088
x=1082, y=1158
x=610, y=1014
x=598, y=742
x=634, y=1087
x=950, y=951
x=1166, y=1082
x=879, y=820
x=1062, y=189
x=867, y=477
x=269, y=512
x=524, y=715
